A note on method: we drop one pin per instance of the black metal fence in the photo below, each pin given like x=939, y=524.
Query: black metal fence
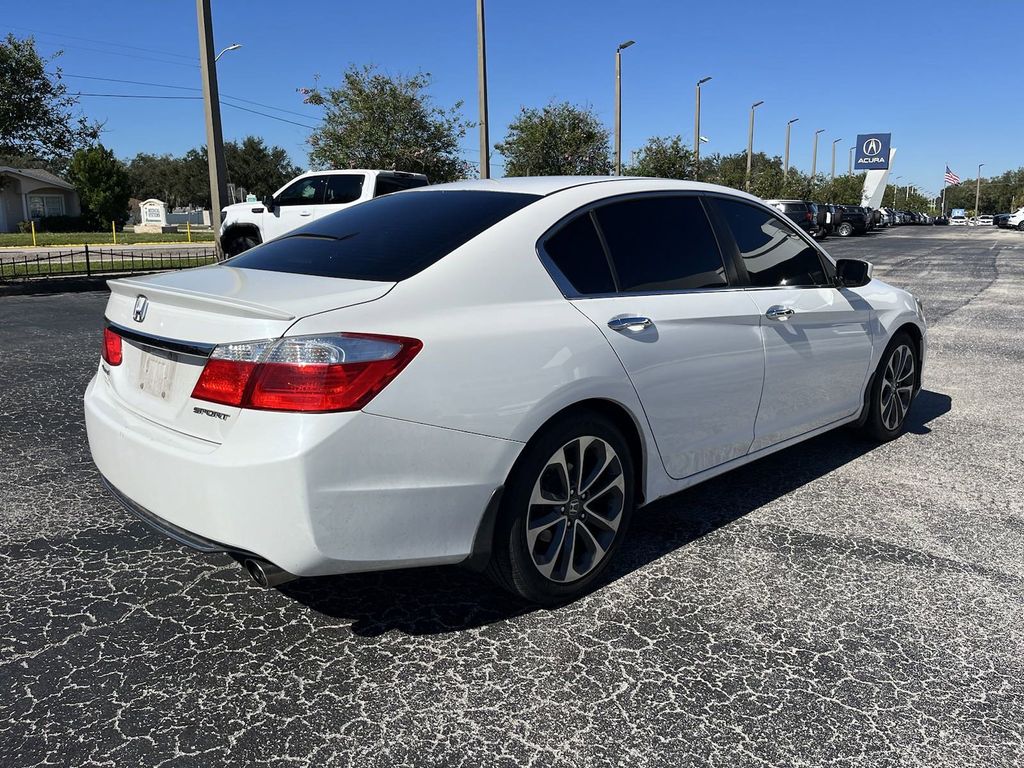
x=98, y=262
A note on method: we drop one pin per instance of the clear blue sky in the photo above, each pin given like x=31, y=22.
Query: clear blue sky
x=943, y=77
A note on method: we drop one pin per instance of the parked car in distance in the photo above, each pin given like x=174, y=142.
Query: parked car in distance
x=941, y=220
x=1001, y=220
x=487, y=373
x=304, y=199
x=958, y=221
x=985, y=220
x=802, y=212
x=855, y=221
x=1016, y=220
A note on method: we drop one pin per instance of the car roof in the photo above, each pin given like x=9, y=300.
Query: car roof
x=349, y=171
x=548, y=185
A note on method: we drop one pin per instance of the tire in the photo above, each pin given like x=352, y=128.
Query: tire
x=549, y=552
x=845, y=229
x=240, y=242
x=1020, y=227
x=888, y=404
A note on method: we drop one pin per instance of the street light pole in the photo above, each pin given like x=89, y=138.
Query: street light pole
x=814, y=159
x=750, y=141
x=481, y=77
x=618, y=105
x=696, y=131
x=895, y=189
x=849, y=170
x=834, y=142
x=785, y=160
x=211, y=101
x=232, y=47
x=977, y=192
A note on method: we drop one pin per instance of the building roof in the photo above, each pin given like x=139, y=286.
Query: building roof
x=39, y=175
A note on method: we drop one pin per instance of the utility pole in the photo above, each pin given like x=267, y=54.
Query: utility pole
x=895, y=189
x=849, y=169
x=481, y=76
x=750, y=141
x=211, y=101
x=836, y=141
x=696, y=132
x=785, y=160
x=814, y=158
x=977, y=192
x=618, y=105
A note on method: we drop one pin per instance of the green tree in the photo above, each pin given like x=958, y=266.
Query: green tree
x=373, y=120
x=37, y=115
x=258, y=168
x=102, y=183
x=560, y=139
x=663, y=157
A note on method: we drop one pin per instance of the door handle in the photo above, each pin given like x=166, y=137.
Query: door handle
x=629, y=323
x=779, y=313
x=305, y=213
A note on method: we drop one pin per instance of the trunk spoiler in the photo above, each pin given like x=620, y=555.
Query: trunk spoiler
x=189, y=299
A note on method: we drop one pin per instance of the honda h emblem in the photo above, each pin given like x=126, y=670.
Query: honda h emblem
x=141, y=305
x=872, y=147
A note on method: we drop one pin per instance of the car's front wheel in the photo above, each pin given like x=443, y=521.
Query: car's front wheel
x=564, y=510
x=845, y=230
x=892, y=389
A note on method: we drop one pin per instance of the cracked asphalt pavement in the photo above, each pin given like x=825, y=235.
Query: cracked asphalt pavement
x=837, y=604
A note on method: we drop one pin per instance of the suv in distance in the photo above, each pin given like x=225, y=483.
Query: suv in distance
x=803, y=214
x=855, y=221
x=1016, y=220
x=304, y=199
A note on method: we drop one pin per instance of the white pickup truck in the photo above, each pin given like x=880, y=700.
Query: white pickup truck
x=304, y=199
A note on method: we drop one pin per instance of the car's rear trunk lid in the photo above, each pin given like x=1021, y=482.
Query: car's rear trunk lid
x=169, y=323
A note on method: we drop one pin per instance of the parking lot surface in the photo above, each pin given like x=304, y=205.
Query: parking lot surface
x=836, y=604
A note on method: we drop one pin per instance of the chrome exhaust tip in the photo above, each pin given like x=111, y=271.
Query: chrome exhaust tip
x=266, y=574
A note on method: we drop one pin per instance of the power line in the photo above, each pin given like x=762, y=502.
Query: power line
x=104, y=42
x=186, y=88
x=193, y=98
x=126, y=55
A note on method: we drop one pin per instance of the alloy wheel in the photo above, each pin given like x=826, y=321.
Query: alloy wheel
x=575, y=509
x=897, y=387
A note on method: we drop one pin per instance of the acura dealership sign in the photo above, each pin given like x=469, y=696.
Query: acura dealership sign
x=872, y=152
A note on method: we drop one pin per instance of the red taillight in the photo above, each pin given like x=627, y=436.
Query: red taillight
x=810, y=216
x=111, y=347
x=341, y=372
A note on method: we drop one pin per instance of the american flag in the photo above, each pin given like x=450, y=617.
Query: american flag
x=951, y=178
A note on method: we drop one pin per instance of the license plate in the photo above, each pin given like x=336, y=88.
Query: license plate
x=157, y=376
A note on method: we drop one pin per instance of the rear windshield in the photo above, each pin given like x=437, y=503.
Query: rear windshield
x=386, y=239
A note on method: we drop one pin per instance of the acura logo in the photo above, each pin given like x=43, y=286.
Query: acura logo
x=141, y=305
x=872, y=147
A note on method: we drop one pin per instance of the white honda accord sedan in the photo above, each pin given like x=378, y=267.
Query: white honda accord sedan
x=494, y=373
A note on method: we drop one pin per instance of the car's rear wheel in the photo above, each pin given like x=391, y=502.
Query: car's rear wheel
x=1020, y=226
x=892, y=389
x=564, y=510
x=845, y=230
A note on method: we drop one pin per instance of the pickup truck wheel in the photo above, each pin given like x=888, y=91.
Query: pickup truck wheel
x=845, y=229
x=240, y=242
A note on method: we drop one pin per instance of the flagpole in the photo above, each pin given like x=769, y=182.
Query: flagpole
x=944, y=182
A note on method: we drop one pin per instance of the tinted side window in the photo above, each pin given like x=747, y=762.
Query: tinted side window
x=661, y=244
x=308, y=191
x=576, y=250
x=772, y=252
x=388, y=184
x=388, y=239
x=344, y=188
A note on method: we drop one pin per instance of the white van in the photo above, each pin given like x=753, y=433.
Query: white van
x=304, y=199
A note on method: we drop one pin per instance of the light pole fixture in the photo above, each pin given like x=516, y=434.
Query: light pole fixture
x=232, y=47
x=895, y=189
x=696, y=131
x=618, y=104
x=785, y=160
x=977, y=191
x=834, y=142
x=814, y=158
x=750, y=141
x=849, y=170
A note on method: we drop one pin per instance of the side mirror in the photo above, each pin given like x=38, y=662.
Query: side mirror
x=853, y=273
x=268, y=203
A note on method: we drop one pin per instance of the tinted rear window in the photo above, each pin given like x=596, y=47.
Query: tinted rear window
x=577, y=252
x=389, y=238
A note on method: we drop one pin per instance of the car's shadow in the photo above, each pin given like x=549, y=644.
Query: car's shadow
x=438, y=600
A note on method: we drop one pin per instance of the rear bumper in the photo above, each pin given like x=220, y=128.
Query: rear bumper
x=313, y=493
